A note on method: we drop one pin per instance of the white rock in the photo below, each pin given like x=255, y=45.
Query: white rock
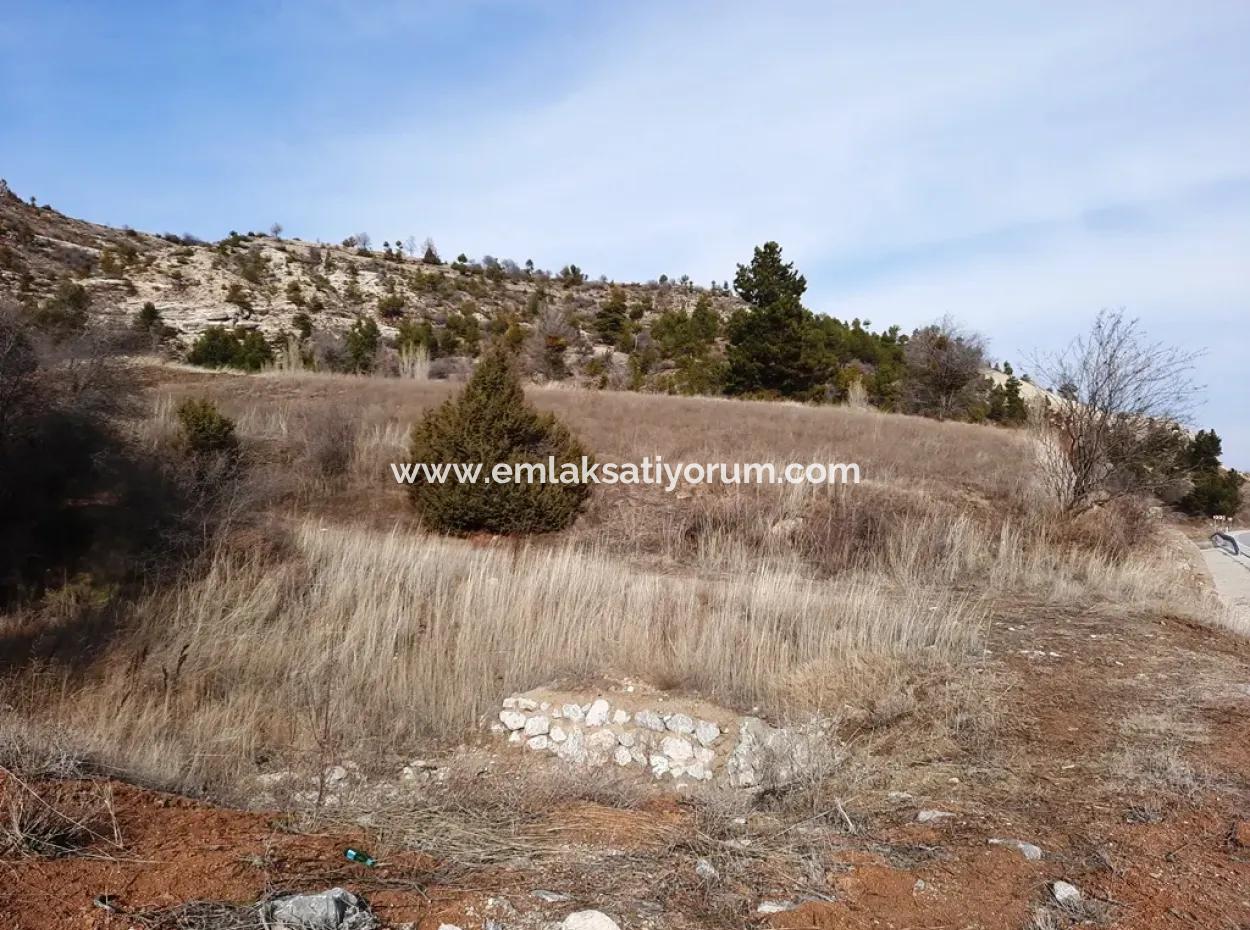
x=556, y=734
x=625, y=738
x=659, y=765
x=706, y=732
x=706, y=871
x=538, y=742
x=600, y=744
x=680, y=723
x=620, y=716
x=551, y=897
x=269, y=779
x=573, y=749
x=1028, y=850
x=677, y=771
x=544, y=706
x=448, y=927
x=515, y=736
x=677, y=748
x=336, y=774
x=704, y=755
x=1064, y=892
x=509, y=703
x=597, y=714
x=774, y=907
x=537, y=725
x=622, y=756
x=696, y=771
x=512, y=719
x=573, y=712
x=649, y=719
x=931, y=816
x=638, y=754
x=589, y=920
x=524, y=703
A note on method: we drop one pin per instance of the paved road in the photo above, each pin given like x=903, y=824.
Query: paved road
x=1232, y=573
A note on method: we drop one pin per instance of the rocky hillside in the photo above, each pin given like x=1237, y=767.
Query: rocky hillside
x=264, y=282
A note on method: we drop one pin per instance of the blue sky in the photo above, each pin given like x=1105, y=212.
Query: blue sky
x=1015, y=165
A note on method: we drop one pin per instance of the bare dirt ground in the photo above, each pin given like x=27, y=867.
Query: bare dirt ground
x=1123, y=752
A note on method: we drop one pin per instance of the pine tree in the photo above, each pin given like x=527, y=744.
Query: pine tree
x=766, y=340
x=613, y=317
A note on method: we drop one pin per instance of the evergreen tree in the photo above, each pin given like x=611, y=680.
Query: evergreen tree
x=613, y=317
x=489, y=422
x=766, y=340
x=362, y=345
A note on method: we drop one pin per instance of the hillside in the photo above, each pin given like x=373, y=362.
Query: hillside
x=261, y=282
x=235, y=645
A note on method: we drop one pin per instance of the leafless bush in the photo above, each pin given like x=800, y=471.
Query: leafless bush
x=1115, y=427
x=944, y=366
x=55, y=819
x=329, y=442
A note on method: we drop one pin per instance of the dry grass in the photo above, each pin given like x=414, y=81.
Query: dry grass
x=55, y=818
x=395, y=638
x=350, y=632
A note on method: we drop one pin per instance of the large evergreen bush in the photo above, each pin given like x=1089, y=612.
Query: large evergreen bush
x=490, y=422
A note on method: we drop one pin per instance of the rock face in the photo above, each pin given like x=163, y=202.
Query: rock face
x=664, y=742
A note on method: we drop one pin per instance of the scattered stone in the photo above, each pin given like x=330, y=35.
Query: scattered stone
x=597, y=715
x=677, y=749
x=659, y=765
x=524, y=703
x=774, y=907
x=649, y=719
x=620, y=716
x=706, y=871
x=537, y=743
x=270, y=779
x=919, y=886
x=512, y=719
x=573, y=749
x=932, y=816
x=551, y=897
x=706, y=732
x=448, y=927
x=1028, y=850
x=589, y=920
x=1241, y=834
x=1065, y=892
x=336, y=774
x=626, y=738
x=680, y=723
x=573, y=712
x=556, y=734
x=538, y=725
x=336, y=909
x=600, y=745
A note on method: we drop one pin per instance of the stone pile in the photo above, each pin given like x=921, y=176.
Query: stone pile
x=666, y=742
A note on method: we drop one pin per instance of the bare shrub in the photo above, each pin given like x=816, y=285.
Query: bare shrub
x=57, y=819
x=1116, y=421
x=329, y=442
x=944, y=365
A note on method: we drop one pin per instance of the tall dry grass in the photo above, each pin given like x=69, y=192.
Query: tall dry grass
x=385, y=640
x=356, y=634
